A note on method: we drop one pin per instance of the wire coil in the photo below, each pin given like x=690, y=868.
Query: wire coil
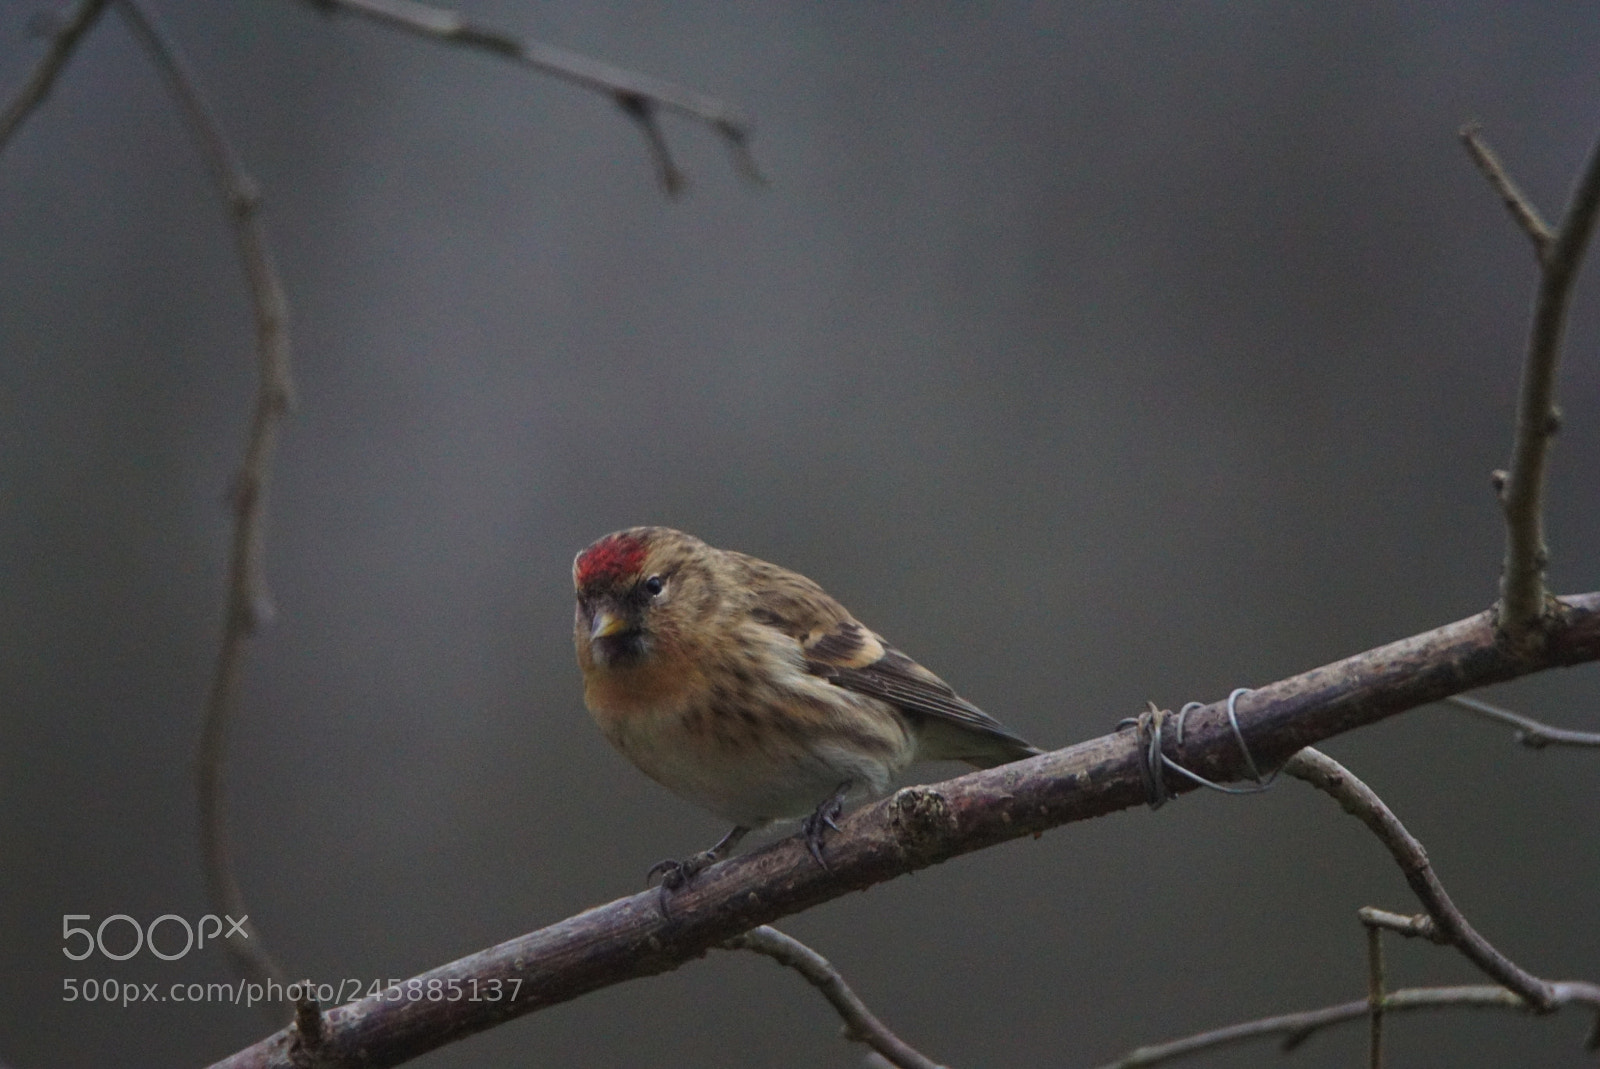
x=1151, y=725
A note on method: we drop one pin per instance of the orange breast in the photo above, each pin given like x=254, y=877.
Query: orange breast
x=659, y=686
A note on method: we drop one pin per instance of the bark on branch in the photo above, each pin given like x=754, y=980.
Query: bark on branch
x=922, y=826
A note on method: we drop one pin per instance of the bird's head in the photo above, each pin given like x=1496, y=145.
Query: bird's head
x=638, y=591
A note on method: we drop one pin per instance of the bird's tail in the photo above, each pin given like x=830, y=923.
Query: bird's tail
x=1003, y=752
x=943, y=740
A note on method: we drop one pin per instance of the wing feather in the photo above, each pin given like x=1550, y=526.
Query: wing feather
x=903, y=682
x=839, y=649
x=908, y=686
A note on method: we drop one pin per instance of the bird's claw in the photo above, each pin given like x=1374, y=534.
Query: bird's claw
x=670, y=871
x=814, y=827
x=677, y=874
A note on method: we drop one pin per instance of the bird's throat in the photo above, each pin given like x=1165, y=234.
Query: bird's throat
x=642, y=685
x=622, y=650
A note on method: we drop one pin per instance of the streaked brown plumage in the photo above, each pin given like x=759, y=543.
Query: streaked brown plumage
x=746, y=689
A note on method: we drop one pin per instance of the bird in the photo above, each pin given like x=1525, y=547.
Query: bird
x=746, y=689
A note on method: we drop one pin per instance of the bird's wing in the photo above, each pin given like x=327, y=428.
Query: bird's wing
x=839, y=649
x=852, y=657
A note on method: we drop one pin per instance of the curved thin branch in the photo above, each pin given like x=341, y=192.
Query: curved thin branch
x=248, y=604
x=922, y=826
x=860, y=1024
x=1530, y=732
x=1361, y=802
x=1523, y=595
x=62, y=44
x=640, y=95
x=1296, y=1028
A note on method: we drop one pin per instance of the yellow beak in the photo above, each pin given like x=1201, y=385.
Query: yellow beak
x=607, y=624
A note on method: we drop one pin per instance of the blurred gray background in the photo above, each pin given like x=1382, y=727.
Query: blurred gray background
x=1093, y=352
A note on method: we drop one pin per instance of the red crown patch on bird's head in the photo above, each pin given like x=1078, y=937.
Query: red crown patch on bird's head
x=614, y=557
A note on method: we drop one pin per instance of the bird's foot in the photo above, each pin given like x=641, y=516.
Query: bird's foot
x=815, y=826
x=676, y=875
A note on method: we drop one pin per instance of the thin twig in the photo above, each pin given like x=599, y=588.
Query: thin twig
x=922, y=826
x=1361, y=802
x=1523, y=604
x=247, y=601
x=643, y=112
x=1412, y=926
x=1516, y=202
x=859, y=1022
x=1296, y=1028
x=62, y=44
x=1530, y=732
x=1375, y=995
x=640, y=95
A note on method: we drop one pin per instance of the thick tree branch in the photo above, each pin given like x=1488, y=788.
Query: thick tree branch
x=922, y=826
x=1296, y=1028
x=63, y=42
x=1530, y=732
x=860, y=1024
x=247, y=600
x=1523, y=596
x=639, y=95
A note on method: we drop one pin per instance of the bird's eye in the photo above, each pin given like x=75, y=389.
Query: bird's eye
x=655, y=585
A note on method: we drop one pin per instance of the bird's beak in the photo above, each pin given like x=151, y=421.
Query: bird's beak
x=607, y=624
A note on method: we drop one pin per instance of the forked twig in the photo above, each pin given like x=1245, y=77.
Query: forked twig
x=1442, y=924
x=860, y=1024
x=1530, y=732
x=639, y=95
x=1361, y=802
x=247, y=601
x=1524, y=598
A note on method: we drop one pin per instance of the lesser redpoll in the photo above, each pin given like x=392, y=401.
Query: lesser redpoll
x=746, y=689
